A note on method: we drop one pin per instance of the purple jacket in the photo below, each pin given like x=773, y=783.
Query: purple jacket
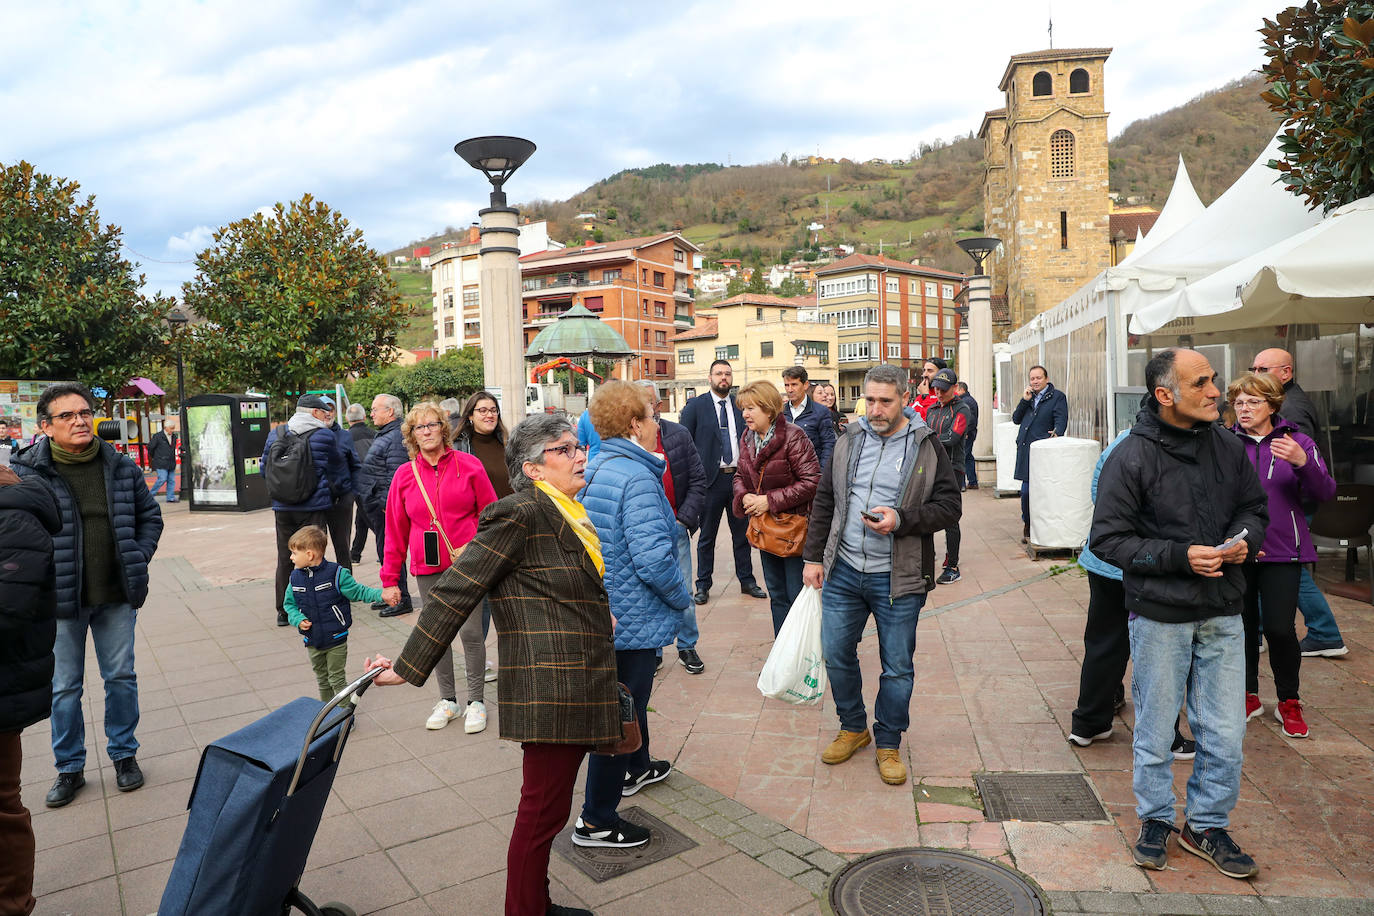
x=1287, y=539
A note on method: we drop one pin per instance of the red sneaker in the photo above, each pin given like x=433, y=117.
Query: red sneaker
x=1253, y=706
x=1289, y=712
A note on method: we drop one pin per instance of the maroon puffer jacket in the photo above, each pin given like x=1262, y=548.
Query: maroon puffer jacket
x=791, y=472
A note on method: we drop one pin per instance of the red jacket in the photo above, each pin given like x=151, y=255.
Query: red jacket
x=791, y=472
x=922, y=405
x=459, y=488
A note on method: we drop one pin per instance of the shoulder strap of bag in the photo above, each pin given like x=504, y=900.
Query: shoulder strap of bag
x=434, y=516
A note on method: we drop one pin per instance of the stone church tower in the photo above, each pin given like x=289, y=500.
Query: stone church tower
x=1045, y=181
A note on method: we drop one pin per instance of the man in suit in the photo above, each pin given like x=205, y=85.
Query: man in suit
x=1042, y=413
x=970, y=466
x=813, y=418
x=716, y=425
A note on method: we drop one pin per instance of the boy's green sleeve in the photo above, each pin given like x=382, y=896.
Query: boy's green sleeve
x=293, y=612
x=354, y=590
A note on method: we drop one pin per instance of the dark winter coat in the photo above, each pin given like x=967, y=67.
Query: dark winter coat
x=815, y=421
x=349, y=464
x=28, y=520
x=363, y=437
x=951, y=424
x=1298, y=408
x=1287, y=539
x=790, y=470
x=134, y=515
x=684, y=466
x=316, y=590
x=1163, y=490
x=162, y=452
x=702, y=421
x=388, y=453
x=973, y=421
x=327, y=456
x=1050, y=417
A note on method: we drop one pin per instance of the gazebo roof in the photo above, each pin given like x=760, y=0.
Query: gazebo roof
x=578, y=332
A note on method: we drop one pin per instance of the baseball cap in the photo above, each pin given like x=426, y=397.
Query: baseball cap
x=944, y=379
x=316, y=402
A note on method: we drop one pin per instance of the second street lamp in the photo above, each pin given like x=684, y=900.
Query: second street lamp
x=177, y=319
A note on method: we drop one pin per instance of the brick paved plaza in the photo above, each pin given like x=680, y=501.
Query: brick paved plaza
x=418, y=821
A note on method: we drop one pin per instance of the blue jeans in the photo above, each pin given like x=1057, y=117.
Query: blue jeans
x=783, y=577
x=970, y=466
x=112, y=630
x=605, y=774
x=847, y=600
x=687, y=633
x=167, y=479
x=1316, y=612
x=1163, y=655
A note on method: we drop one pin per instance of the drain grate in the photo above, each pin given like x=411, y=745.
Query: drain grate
x=601, y=864
x=1050, y=797
x=931, y=882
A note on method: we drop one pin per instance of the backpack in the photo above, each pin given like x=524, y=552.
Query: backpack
x=290, y=470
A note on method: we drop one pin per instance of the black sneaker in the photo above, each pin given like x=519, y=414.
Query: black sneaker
x=405, y=607
x=1216, y=846
x=557, y=909
x=64, y=789
x=281, y=619
x=657, y=772
x=623, y=835
x=1151, y=849
x=127, y=774
x=356, y=558
x=691, y=661
x=1086, y=740
x=951, y=574
x=1321, y=648
x=1184, y=748
x=380, y=605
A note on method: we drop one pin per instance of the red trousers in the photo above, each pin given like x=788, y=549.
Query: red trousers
x=16, y=833
x=545, y=803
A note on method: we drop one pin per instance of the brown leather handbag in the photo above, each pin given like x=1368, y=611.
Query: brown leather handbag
x=630, y=736
x=782, y=535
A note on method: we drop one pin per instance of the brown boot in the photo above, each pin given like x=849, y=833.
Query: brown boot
x=844, y=746
x=890, y=766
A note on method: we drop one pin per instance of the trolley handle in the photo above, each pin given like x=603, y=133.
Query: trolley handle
x=357, y=688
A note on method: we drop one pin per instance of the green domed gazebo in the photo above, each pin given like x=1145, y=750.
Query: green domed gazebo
x=578, y=332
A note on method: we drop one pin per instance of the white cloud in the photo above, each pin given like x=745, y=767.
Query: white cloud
x=191, y=242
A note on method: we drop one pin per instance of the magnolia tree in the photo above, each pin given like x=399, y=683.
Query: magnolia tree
x=1321, y=80
x=290, y=299
x=70, y=305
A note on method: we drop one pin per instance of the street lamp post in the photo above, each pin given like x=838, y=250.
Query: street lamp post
x=503, y=342
x=978, y=373
x=177, y=320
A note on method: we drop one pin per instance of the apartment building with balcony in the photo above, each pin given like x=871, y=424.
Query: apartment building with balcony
x=641, y=287
x=760, y=335
x=886, y=311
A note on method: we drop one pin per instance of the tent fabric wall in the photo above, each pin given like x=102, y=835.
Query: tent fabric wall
x=1004, y=449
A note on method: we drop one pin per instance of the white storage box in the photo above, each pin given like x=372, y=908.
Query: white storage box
x=1061, y=477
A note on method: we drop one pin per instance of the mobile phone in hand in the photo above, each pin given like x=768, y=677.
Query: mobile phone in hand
x=873, y=517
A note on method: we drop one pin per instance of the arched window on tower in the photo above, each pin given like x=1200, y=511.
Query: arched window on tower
x=1078, y=81
x=1061, y=154
x=1042, y=84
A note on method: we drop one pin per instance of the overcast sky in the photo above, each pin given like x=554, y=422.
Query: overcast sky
x=181, y=117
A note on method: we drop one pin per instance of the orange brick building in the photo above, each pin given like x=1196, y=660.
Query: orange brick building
x=640, y=287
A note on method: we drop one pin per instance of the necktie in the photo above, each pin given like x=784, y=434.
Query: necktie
x=727, y=452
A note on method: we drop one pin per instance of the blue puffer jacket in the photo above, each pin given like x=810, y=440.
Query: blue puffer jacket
x=624, y=497
x=328, y=459
x=388, y=453
x=349, y=464
x=134, y=514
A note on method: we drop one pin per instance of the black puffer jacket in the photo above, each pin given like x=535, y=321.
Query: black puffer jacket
x=388, y=453
x=28, y=520
x=1164, y=489
x=134, y=514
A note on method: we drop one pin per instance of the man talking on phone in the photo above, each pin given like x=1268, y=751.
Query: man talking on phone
x=1179, y=508
x=870, y=548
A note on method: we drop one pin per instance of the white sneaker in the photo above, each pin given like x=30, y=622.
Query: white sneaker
x=490, y=674
x=476, y=718
x=444, y=710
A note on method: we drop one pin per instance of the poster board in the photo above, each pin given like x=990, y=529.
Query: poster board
x=210, y=440
x=19, y=407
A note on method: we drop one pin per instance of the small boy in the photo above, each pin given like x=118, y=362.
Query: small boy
x=317, y=604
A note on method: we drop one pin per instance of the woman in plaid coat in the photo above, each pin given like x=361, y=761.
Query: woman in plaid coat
x=537, y=559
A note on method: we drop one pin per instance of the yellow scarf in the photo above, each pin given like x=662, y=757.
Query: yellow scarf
x=576, y=514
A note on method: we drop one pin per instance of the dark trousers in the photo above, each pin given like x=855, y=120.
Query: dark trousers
x=361, y=527
x=288, y=522
x=970, y=466
x=719, y=495
x=605, y=774
x=1025, y=502
x=953, y=537
x=340, y=518
x=16, y=832
x=1271, y=592
x=783, y=578
x=1106, y=649
x=403, y=582
x=545, y=802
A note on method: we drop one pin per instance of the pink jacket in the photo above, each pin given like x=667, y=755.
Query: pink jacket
x=459, y=488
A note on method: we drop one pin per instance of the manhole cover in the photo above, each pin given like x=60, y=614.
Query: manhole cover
x=931, y=882
x=602, y=864
x=1038, y=797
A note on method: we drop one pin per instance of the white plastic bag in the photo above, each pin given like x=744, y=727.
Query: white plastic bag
x=795, y=670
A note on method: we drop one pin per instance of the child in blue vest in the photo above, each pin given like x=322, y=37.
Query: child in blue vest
x=317, y=605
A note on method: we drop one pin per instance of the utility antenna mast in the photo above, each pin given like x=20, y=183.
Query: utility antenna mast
x=1051, y=11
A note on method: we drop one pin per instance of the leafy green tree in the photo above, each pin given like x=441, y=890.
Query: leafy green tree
x=455, y=374
x=291, y=299
x=734, y=287
x=1321, y=80
x=758, y=283
x=70, y=306
x=792, y=287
